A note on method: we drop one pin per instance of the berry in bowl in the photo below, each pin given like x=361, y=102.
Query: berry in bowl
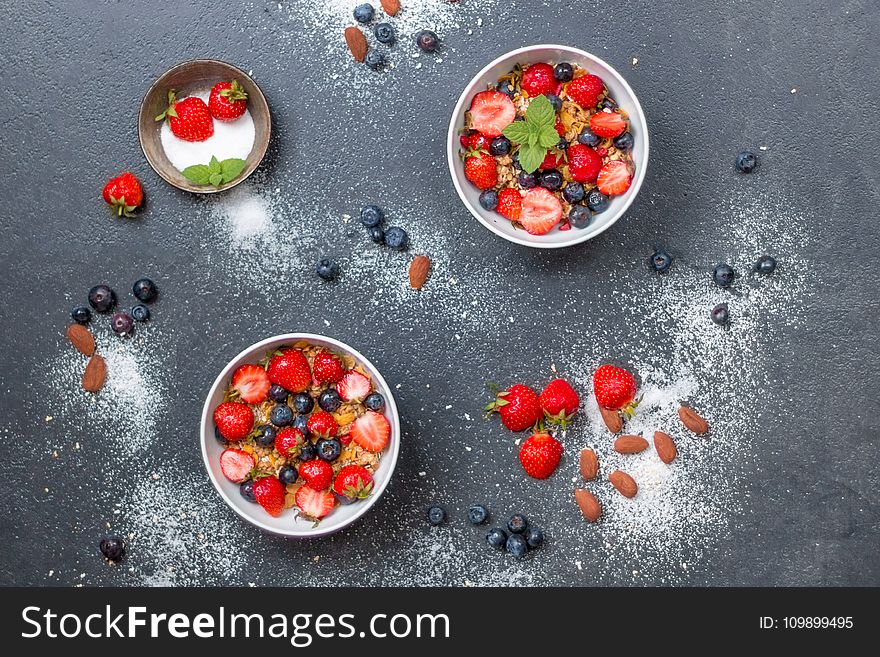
x=547, y=146
x=300, y=435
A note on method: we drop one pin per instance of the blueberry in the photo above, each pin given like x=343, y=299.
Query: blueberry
x=427, y=41
x=607, y=103
x=766, y=264
x=436, y=515
x=624, y=142
x=219, y=436
x=247, y=490
x=265, y=435
x=555, y=101
x=660, y=261
x=301, y=422
x=477, y=514
x=396, y=238
x=579, y=216
x=573, y=192
x=374, y=60
x=140, y=313
x=517, y=523
x=489, y=199
x=329, y=449
x=281, y=415
x=327, y=269
x=102, y=298
x=374, y=401
x=746, y=162
x=145, y=290
x=364, y=13
x=588, y=137
x=122, y=323
x=506, y=88
x=279, y=393
x=527, y=180
x=112, y=547
x=499, y=146
x=81, y=315
x=376, y=234
x=302, y=402
x=551, y=180
x=288, y=475
x=308, y=452
x=329, y=400
x=597, y=201
x=720, y=314
x=562, y=144
x=371, y=215
x=497, y=538
x=516, y=546
x=563, y=71
x=723, y=275
x=384, y=33
x=534, y=537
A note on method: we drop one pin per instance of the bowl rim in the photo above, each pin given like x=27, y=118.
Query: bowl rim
x=392, y=452
x=262, y=148
x=452, y=147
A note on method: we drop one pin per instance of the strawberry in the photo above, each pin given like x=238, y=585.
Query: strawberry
x=234, y=420
x=540, y=211
x=480, y=169
x=354, y=385
x=614, y=178
x=290, y=370
x=322, y=424
x=551, y=160
x=478, y=142
x=189, y=119
x=345, y=440
x=585, y=90
x=559, y=401
x=270, y=495
x=236, y=465
x=583, y=163
x=518, y=407
x=354, y=482
x=540, y=454
x=607, y=124
x=124, y=194
x=615, y=389
x=327, y=368
x=371, y=431
x=509, y=203
x=314, y=504
x=288, y=441
x=227, y=101
x=538, y=79
x=559, y=126
x=491, y=112
x=317, y=474
x=252, y=383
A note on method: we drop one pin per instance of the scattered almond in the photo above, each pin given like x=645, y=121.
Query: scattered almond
x=589, y=464
x=81, y=338
x=419, y=269
x=391, y=7
x=357, y=43
x=96, y=372
x=693, y=421
x=624, y=484
x=665, y=447
x=588, y=503
x=630, y=445
x=612, y=420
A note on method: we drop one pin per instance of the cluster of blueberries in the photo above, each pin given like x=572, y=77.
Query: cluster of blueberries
x=519, y=538
x=386, y=35
x=102, y=299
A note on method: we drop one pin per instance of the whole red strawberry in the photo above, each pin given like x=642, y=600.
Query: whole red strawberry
x=327, y=368
x=124, y=194
x=538, y=79
x=480, y=169
x=477, y=141
x=288, y=441
x=583, y=163
x=290, y=370
x=227, y=101
x=585, y=90
x=518, y=407
x=354, y=482
x=322, y=424
x=234, y=420
x=509, y=203
x=615, y=389
x=189, y=119
x=270, y=495
x=317, y=474
x=540, y=454
x=559, y=401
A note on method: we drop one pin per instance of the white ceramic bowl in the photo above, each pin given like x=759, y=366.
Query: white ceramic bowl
x=619, y=90
x=287, y=524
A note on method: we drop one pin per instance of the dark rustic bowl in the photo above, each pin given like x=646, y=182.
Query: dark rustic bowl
x=186, y=78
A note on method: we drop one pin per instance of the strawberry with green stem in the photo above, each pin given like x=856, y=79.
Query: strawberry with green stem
x=124, y=194
x=189, y=119
x=227, y=101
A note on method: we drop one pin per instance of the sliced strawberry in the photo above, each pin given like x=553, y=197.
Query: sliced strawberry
x=538, y=79
x=585, y=90
x=540, y=211
x=317, y=474
x=371, y=431
x=270, y=495
x=583, y=163
x=509, y=203
x=252, y=383
x=607, y=124
x=354, y=385
x=614, y=178
x=327, y=368
x=491, y=112
x=288, y=441
x=236, y=464
x=314, y=504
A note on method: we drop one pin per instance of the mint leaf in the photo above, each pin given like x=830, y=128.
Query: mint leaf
x=530, y=157
x=216, y=179
x=231, y=168
x=214, y=164
x=540, y=112
x=517, y=132
x=200, y=174
x=548, y=137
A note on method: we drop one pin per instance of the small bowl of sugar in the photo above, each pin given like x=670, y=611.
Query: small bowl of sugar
x=220, y=149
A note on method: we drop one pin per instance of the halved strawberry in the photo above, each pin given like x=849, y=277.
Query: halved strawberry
x=290, y=369
x=509, y=203
x=607, y=124
x=270, y=495
x=371, y=431
x=491, y=112
x=540, y=211
x=583, y=163
x=614, y=178
x=317, y=474
x=288, y=441
x=252, y=383
x=236, y=464
x=538, y=79
x=234, y=420
x=327, y=368
x=585, y=90
x=314, y=504
x=354, y=385
x=322, y=424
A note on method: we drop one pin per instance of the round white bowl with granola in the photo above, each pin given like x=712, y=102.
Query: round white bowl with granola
x=300, y=435
x=486, y=169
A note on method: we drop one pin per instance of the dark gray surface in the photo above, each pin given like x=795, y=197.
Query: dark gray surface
x=713, y=77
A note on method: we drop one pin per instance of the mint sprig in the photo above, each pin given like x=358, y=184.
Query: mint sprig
x=535, y=134
x=216, y=172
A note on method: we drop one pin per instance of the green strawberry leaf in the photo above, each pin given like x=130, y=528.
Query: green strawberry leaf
x=231, y=168
x=517, y=132
x=540, y=112
x=200, y=174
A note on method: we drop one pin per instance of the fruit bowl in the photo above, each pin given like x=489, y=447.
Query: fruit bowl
x=288, y=524
x=190, y=77
x=618, y=89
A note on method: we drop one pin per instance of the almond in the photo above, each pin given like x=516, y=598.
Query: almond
x=624, y=484
x=665, y=447
x=693, y=421
x=589, y=464
x=419, y=269
x=612, y=420
x=96, y=372
x=391, y=7
x=81, y=338
x=356, y=42
x=630, y=445
x=588, y=503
